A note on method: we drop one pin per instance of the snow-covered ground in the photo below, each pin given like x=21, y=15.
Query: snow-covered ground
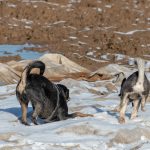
x=101, y=132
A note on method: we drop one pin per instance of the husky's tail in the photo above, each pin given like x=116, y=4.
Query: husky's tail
x=139, y=86
x=26, y=72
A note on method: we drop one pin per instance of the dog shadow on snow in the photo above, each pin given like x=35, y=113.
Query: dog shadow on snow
x=16, y=111
x=110, y=112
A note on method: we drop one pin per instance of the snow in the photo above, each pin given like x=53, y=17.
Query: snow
x=131, y=61
x=90, y=53
x=11, y=5
x=81, y=43
x=58, y=22
x=99, y=10
x=108, y=6
x=132, y=32
x=119, y=56
x=74, y=1
x=105, y=57
x=27, y=27
x=73, y=37
x=147, y=65
x=91, y=133
x=98, y=48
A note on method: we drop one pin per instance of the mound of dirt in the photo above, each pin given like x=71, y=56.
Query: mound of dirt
x=58, y=67
x=8, y=75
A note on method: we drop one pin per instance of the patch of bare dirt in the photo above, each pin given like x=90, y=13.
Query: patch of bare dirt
x=4, y=59
x=78, y=26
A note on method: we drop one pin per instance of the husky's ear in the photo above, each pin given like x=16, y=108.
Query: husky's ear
x=118, y=77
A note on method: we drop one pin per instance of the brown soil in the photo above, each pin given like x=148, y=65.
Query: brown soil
x=80, y=26
x=4, y=59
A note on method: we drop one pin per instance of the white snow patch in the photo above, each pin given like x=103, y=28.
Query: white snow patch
x=74, y=1
x=105, y=57
x=131, y=61
x=90, y=133
x=99, y=10
x=59, y=22
x=90, y=53
x=82, y=43
x=27, y=27
x=108, y=6
x=132, y=32
x=11, y=5
x=72, y=37
x=119, y=57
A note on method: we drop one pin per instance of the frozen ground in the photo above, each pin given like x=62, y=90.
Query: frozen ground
x=12, y=50
x=92, y=133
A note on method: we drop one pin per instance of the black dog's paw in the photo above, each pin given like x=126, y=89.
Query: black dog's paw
x=25, y=123
x=34, y=121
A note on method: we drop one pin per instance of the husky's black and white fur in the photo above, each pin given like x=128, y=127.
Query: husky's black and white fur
x=136, y=89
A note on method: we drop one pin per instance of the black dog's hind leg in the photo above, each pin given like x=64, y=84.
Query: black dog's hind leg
x=36, y=112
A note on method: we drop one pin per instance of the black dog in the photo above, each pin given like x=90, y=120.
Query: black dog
x=49, y=100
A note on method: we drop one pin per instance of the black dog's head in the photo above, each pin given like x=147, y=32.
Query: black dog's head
x=64, y=90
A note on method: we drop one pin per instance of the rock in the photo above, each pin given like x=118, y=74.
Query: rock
x=8, y=75
x=58, y=67
x=61, y=61
x=18, y=65
x=127, y=136
x=110, y=71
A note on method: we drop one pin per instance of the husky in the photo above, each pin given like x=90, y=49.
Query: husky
x=136, y=89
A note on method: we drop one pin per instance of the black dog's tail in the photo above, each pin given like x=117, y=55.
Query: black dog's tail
x=26, y=72
x=35, y=64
